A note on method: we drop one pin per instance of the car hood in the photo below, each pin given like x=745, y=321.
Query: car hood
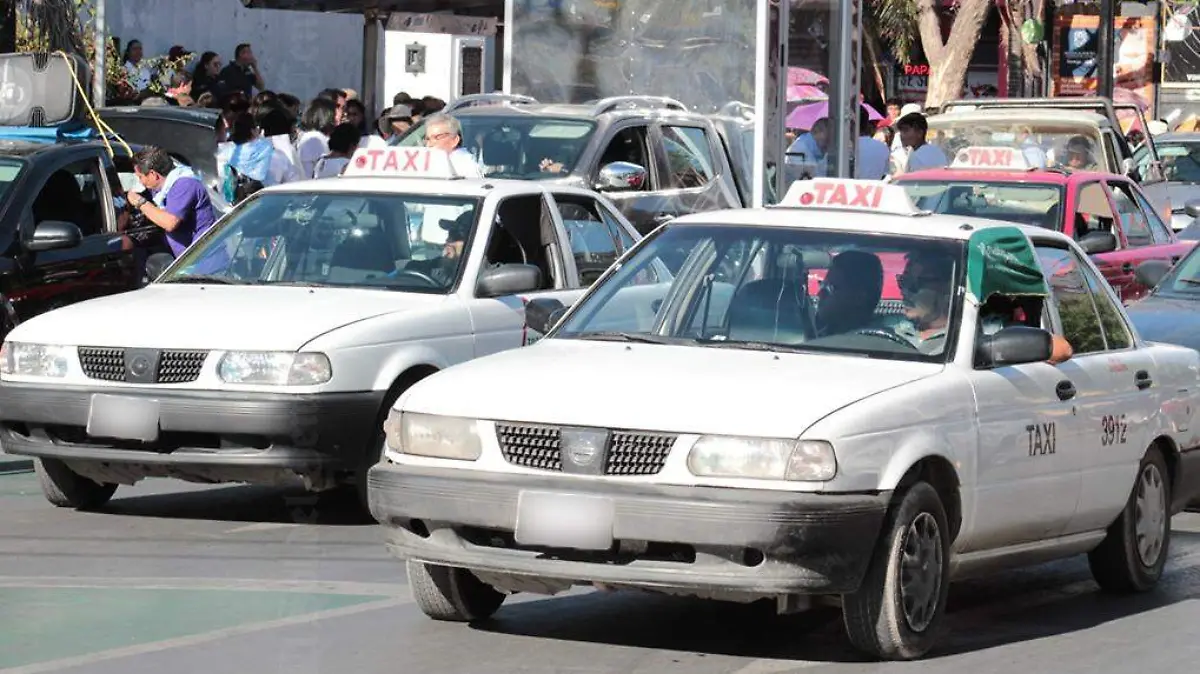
x=1171, y=320
x=177, y=316
x=649, y=387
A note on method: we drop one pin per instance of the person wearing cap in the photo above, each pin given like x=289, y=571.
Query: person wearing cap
x=444, y=132
x=1079, y=154
x=399, y=118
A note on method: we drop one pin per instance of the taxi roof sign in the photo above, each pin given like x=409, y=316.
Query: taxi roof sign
x=843, y=194
x=401, y=162
x=991, y=159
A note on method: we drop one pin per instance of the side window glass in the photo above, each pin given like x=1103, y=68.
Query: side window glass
x=689, y=159
x=74, y=194
x=1081, y=324
x=1093, y=213
x=1158, y=229
x=592, y=243
x=520, y=235
x=629, y=145
x=623, y=237
x=1133, y=220
x=1116, y=333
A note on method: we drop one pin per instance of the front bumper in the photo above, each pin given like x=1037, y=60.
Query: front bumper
x=196, y=428
x=702, y=538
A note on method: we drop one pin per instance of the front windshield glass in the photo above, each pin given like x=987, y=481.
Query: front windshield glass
x=1180, y=160
x=9, y=170
x=508, y=146
x=406, y=242
x=771, y=289
x=1044, y=143
x=1039, y=205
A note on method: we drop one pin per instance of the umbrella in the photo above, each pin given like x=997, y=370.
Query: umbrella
x=804, y=116
x=805, y=76
x=805, y=92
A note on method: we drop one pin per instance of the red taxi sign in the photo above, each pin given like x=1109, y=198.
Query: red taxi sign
x=991, y=158
x=401, y=162
x=843, y=194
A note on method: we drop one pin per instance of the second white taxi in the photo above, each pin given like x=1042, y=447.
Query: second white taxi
x=839, y=397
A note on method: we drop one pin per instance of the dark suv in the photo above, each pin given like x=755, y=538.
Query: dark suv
x=651, y=156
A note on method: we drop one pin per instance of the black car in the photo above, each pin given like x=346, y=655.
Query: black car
x=651, y=156
x=1171, y=312
x=60, y=224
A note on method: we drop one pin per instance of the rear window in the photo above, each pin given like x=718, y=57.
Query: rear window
x=1038, y=205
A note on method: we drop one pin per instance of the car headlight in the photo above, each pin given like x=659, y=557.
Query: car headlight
x=274, y=368
x=34, y=360
x=762, y=458
x=432, y=435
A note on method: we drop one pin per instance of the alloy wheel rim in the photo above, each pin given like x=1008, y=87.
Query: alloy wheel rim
x=1150, y=517
x=921, y=560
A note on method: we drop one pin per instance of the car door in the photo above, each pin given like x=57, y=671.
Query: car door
x=519, y=229
x=1091, y=210
x=75, y=190
x=1168, y=245
x=593, y=246
x=694, y=177
x=1139, y=245
x=642, y=204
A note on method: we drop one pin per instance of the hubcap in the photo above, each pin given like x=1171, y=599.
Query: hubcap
x=921, y=572
x=1150, y=518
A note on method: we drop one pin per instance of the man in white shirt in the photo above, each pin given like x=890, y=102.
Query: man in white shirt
x=445, y=133
x=871, y=156
x=913, y=128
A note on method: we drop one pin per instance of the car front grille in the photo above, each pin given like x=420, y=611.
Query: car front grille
x=108, y=364
x=629, y=452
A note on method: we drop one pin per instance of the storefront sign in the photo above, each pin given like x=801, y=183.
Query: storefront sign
x=1076, y=35
x=1181, y=43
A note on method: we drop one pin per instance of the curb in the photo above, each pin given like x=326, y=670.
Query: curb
x=13, y=465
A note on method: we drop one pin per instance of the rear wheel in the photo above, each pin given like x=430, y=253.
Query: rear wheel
x=65, y=488
x=452, y=594
x=1132, y=556
x=896, y=613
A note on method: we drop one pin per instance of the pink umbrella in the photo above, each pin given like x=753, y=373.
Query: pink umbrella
x=804, y=116
x=798, y=75
x=805, y=92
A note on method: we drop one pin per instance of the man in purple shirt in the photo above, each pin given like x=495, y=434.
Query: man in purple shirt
x=180, y=205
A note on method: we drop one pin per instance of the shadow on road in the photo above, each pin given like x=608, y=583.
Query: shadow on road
x=1003, y=609
x=242, y=503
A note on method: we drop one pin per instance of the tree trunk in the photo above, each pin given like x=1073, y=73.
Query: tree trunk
x=8, y=26
x=948, y=60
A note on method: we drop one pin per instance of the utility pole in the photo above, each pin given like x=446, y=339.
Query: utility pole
x=1105, y=58
x=8, y=26
x=100, y=41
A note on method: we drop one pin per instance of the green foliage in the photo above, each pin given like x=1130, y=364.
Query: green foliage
x=895, y=23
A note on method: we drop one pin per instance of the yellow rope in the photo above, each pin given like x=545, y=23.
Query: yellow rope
x=101, y=126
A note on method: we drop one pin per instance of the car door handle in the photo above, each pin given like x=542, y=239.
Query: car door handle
x=1143, y=380
x=1127, y=267
x=664, y=217
x=1065, y=390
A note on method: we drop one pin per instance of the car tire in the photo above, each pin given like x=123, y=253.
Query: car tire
x=452, y=594
x=65, y=488
x=1132, y=555
x=375, y=452
x=897, y=611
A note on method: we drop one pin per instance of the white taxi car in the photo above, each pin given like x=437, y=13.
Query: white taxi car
x=275, y=345
x=862, y=401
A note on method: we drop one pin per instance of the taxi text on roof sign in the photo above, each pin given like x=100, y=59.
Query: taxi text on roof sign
x=994, y=158
x=849, y=195
x=401, y=162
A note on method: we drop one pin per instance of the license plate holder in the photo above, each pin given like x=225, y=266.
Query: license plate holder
x=566, y=521
x=123, y=418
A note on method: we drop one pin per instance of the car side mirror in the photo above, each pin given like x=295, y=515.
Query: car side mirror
x=1014, y=345
x=543, y=313
x=509, y=279
x=1151, y=272
x=1192, y=208
x=54, y=235
x=1129, y=167
x=621, y=176
x=1094, y=243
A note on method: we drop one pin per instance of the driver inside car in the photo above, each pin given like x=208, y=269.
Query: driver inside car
x=444, y=269
x=927, y=294
x=850, y=293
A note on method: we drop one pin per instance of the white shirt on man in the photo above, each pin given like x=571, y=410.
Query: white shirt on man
x=464, y=163
x=310, y=147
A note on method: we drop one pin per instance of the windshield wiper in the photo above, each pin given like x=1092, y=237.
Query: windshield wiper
x=1190, y=281
x=205, y=278
x=753, y=346
x=626, y=337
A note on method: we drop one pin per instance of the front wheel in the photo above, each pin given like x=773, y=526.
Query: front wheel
x=65, y=488
x=452, y=594
x=1132, y=556
x=896, y=613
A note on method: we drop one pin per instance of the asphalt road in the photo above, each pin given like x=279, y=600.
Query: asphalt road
x=179, y=578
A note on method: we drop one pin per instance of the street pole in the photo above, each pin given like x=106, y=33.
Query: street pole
x=1105, y=61
x=99, y=77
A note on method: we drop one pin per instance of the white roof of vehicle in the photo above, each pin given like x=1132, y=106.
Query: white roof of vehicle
x=1019, y=115
x=466, y=187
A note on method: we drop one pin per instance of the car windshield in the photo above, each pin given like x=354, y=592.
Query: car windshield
x=9, y=170
x=1051, y=144
x=510, y=146
x=785, y=290
x=1184, y=278
x=1180, y=160
x=405, y=242
x=1039, y=205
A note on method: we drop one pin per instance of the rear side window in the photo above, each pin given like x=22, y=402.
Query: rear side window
x=1133, y=220
x=689, y=157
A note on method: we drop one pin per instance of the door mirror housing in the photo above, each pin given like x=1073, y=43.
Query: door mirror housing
x=54, y=235
x=1151, y=272
x=509, y=279
x=543, y=313
x=1130, y=168
x=1192, y=208
x=621, y=176
x=1094, y=243
x=1014, y=345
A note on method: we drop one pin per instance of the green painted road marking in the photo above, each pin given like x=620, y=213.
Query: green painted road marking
x=40, y=624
